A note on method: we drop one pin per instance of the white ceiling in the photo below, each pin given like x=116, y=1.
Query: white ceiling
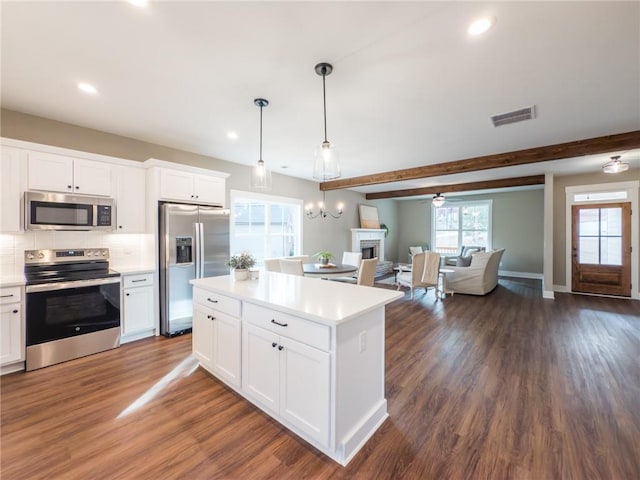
x=409, y=86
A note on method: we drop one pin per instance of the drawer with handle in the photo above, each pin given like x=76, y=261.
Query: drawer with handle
x=222, y=303
x=10, y=295
x=141, y=280
x=296, y=328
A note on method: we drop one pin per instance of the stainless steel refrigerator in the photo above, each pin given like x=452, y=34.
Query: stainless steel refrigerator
x=194, y=243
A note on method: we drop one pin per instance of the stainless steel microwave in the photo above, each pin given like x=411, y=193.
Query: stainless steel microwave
x=62, y=211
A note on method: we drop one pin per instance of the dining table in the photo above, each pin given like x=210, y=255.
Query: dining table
x=318, y=270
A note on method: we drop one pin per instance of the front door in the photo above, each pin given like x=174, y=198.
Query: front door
x=601, y=249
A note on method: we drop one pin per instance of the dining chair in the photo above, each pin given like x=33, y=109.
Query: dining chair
x=425, y=271
x=291, y=266
x=350, y=258
x=272, y=264
x=367, y=271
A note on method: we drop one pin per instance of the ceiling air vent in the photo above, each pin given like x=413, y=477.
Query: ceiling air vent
x=526, y=113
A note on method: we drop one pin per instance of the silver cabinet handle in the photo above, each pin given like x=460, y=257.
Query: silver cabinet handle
x=140, y=280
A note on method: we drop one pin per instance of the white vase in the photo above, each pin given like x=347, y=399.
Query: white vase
x=241, y=274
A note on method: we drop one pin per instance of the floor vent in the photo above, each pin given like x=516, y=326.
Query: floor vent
x=520, y=115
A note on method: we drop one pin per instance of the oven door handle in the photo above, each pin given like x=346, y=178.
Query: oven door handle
x=47, y=287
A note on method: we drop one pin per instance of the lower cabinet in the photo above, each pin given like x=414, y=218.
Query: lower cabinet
x=289, y=379
x=138, y=319
x=11, y=329
x=216, y=343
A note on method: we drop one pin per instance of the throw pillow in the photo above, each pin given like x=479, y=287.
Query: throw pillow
x=463, y=261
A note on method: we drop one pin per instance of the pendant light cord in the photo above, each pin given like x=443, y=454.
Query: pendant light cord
x=260, y=132
x=324, y=101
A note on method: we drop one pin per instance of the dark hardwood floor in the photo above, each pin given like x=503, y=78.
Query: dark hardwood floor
x=507, y=386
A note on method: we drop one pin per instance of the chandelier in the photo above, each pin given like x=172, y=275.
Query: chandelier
x=322, y=212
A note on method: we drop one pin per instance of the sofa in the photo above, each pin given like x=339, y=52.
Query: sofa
x=479, y=278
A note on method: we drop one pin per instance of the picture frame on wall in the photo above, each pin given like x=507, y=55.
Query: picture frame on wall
x=368, y=216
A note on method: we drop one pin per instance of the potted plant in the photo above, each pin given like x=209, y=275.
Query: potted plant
x=324, y=257
x=241, y=264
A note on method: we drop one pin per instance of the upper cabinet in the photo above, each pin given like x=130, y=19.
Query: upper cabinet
x=58, y=173
x=12, y=184
x=130, y=188
x=184, y=186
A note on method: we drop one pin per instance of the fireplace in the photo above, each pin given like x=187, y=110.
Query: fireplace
x=370, y=241
x=368, y=252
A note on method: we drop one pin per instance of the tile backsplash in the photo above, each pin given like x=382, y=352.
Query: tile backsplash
x=126, y=250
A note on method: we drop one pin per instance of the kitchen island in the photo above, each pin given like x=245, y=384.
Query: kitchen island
x=308, y=352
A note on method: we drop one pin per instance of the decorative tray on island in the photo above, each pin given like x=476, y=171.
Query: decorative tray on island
x=325, y=265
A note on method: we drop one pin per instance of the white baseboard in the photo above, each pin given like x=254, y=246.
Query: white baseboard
x=548, y=294
x=561, y=288
x=507, y=273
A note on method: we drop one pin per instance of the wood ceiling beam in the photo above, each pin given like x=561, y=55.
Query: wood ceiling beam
x=460, y=187
x=578, y=148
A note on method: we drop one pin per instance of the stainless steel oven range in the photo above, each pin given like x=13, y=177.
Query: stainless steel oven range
x=72, y=305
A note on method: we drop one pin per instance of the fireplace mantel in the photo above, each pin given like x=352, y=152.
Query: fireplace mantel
x=360, y=234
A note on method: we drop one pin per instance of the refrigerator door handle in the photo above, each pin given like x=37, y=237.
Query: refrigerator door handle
x=196, y=249
x=201, y=250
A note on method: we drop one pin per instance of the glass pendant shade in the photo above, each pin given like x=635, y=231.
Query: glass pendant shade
x=260, y=174
x=261, y=177
x=438, y=200
x=326, y=165
x=615, y=165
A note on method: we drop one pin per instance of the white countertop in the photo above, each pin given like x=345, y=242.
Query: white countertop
x=134, y=269
x=12, y=280
x=322, y=300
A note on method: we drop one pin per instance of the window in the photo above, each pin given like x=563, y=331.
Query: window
x=600, y=236
x=265, y=225
x=599, y=196
x=464, y=223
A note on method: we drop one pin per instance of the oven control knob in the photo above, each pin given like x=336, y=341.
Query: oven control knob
x=41, y=255
x=88, y=254
x=104, y=253
x=30, y=256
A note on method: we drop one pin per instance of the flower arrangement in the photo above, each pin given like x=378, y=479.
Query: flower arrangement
x=243, y=261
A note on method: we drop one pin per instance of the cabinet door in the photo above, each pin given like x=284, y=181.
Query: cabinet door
x=12, y=184
x=226, y=347
x=92, y=178
x=202, y=336
x=209, y=189
x=261, y=366
x=48, y=171
x=130, y=200
x=305, y=387
x=11, y=333
x=176, y=185
x=138, y=310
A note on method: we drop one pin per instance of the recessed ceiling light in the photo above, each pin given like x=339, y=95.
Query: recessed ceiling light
x=232, y=135
x=88, y=88
x=283, y=166
x=139, y=3
x=481, y=25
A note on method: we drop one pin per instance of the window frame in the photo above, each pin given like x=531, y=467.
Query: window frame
x=237, y=195
x=466, y=203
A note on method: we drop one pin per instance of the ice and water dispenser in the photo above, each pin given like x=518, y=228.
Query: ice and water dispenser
x=184, y=249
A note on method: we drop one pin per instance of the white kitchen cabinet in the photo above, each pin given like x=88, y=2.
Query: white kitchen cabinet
x=288, y=378
x=191, y=187
x=217, y=337
x=312, y=364
x=130, y=199
x=137, y=307
x=12, y=342
x=58, y=173
x=12, y=184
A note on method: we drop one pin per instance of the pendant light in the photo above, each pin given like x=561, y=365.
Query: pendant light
x=326, y=165
x=438, y=200
x=261, y=175
x=615, y=165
